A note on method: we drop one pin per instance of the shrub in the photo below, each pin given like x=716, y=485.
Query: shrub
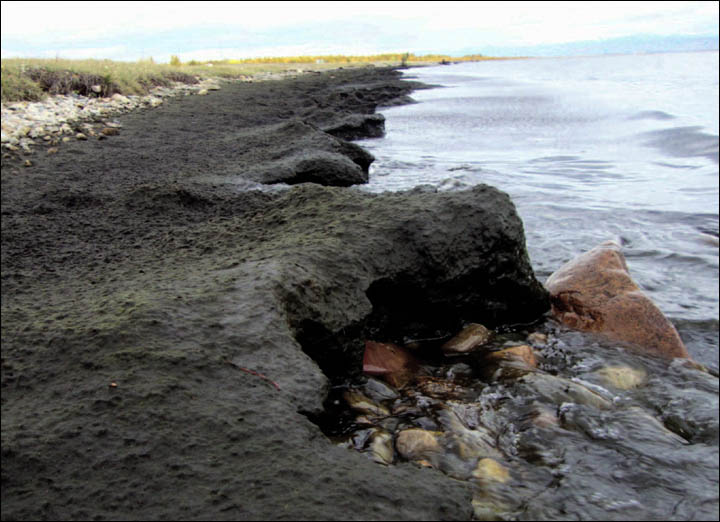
x=175, y=61
x=177, y=76
x=68, y=82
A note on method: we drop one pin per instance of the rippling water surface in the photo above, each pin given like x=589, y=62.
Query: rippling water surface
x=590, y=149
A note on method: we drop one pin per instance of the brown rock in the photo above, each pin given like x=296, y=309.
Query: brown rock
x=389, y=361
x=109, y=131
x=595, y=293
x=510, y=362
x=470, y=338
x=523, y=353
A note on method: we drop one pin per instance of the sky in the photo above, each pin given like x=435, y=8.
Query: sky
x=219, y=30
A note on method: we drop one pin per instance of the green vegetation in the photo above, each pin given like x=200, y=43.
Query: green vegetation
x=32, y=79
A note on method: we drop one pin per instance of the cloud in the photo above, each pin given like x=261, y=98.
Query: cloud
x=249, y=29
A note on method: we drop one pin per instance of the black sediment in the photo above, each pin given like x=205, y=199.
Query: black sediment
x=170, y=317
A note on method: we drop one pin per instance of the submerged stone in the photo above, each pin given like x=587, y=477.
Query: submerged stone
x=559, y=390
x=389, y=361
x=595, y=293
x=381, y=447
x=418, y=444
x=537, y=339
x=440, y=388
x=359, y=402
x=468, y=443
x=472, y=337
x=380, y=391
x=490, y=470
x=510, y=362
x=622, y=377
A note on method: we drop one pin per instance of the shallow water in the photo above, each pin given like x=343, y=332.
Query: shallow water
x=589, y=149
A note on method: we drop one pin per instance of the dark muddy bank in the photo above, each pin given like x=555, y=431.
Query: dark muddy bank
x=145, y=278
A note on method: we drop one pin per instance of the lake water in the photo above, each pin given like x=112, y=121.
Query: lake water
x=589, y=149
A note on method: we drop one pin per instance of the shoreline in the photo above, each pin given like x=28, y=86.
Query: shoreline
x=60, y=118
x=141, y=271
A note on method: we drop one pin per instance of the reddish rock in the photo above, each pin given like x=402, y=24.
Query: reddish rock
x=389, y=361
x=595, y=293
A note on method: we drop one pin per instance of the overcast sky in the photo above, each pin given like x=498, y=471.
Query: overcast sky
x=216, y=30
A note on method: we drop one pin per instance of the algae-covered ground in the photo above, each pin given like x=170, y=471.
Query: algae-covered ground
x=169, y=323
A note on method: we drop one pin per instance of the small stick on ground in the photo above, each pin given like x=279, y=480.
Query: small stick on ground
x=253, y=372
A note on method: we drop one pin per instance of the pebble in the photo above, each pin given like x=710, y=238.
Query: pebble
x=470, y=338
x=559, y=390
x=622, y=377
x=490, y=470
x=381, y=447
x=416, y=443
x=511, y=362
x=360, y=403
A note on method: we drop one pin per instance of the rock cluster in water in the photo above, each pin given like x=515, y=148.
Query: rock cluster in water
x=444, y=416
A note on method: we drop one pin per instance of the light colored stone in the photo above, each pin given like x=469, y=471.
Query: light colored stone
x=119, y=98
x=559, y=390
x=418, y=444
x=522, y=353
x=490, y=470
x=381, y=447
x=537, y=339
x=359, y=402
x=80, y=136
x=622, y=377
x=472, y=337
x=36, y=132
x=202, y=92
x=467, y=443
x=595, y=293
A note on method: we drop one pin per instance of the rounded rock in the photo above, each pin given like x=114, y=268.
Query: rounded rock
x=472, y=337
x=417, y=444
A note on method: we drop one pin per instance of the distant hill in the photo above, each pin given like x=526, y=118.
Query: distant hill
x=624, y=45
